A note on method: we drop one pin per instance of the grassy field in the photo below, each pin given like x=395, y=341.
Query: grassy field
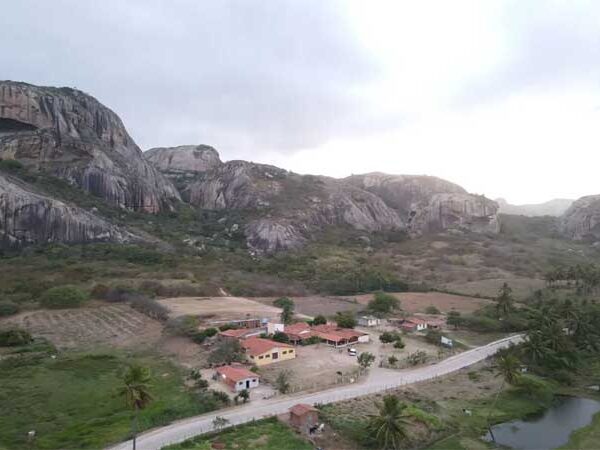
x=586, y=437
x=72, y=401
x=269, y=434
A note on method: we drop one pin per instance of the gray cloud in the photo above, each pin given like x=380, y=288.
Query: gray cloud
x=550, y=45
x=241, y=75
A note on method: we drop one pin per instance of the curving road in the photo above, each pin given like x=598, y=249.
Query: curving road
x=378, y=381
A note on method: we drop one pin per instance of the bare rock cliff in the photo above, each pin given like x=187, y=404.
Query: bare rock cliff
x=71, y=135
x=429, y=204
x=186, y=159
x=27, y=217
x=582, y=220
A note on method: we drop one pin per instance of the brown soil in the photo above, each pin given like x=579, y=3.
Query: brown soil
x=418, y=301
x=219, y=308
x=315, y=304
x=112, y=325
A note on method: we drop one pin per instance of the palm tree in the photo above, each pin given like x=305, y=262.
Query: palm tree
x=388, y=427
x=136, y=391
x=508, y=367
x=504, y=301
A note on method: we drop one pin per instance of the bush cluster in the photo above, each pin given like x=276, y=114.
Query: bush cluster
x=151, y=308
x=14, y=337
x=63, y=297
x=8, y=308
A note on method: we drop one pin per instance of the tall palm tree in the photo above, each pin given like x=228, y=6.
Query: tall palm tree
x=504, y=301
x=136, y=391
x=508, y=367
x=388, y=427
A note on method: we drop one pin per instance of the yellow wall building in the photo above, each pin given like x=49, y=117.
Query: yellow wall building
x=265, y=351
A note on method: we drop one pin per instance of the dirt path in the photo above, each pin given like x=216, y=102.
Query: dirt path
x=378, y=381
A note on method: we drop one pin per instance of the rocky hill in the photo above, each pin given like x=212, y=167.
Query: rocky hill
x=62, y=133
x=556, y=207
x=70, y=135
x=288, y=208
x=582, y=219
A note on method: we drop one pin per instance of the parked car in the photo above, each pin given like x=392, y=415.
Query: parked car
x=352, y=351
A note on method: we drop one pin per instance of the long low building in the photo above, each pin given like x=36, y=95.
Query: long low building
x=339, y=337
x=265, y=351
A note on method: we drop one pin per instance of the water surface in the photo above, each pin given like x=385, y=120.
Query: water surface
x=550, y=430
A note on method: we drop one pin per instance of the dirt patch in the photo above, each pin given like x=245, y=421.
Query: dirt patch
x=418, y=301
x=316, y=304
x=522, y=287
x=113, y=325
x=219, y=308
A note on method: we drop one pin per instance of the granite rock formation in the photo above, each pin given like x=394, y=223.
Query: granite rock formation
x=582, y=220
x=70, y=135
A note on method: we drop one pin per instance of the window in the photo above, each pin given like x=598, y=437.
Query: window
x=241, y=383
x=284, y=352
x=252, y=357
x=275, y=355
x=254, y=380
x=291, y=351
x=260, y=357
x=267, y=356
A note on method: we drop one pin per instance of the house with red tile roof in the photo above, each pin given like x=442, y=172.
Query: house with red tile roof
x=339, y=337
x=298, y=332
x=265, y=351
x=237, y=377
x=413, y=324
x=241, y=333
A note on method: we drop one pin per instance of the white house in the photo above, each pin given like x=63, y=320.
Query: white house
x=369, y=321
x=237, y=377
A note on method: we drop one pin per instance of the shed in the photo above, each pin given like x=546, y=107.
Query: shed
x=304, y=416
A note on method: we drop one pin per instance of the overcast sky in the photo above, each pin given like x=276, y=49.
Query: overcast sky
x=502, y=97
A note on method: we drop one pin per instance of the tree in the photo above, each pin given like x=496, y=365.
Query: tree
x=244, y=395
x=387, y=336
x=345, y=319
x=508, y=368
x=434, y=337
x=388, y=427
x=383, y=303
x=226, y=352
x=136, y=391
x=63, y=297
x=365, y=360
x=319, y=320
x=505, y=300
x=283, y=302
x=287, y=314
x=432, y=310
x=280, y=337
x=392, y=360
x=454, y=319
x=282, y=382
x=14, y=337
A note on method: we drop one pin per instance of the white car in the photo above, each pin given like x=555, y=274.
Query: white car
x=352, y=351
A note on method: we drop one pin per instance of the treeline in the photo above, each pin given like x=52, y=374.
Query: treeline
x=584, y=277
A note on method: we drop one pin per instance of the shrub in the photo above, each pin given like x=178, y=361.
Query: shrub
x=319, y=320
x=416, y=358
x=345, y=319
x=389, y=336
x=481, y=323
x=311, y=340
x=399, y=344
x=281, y=337
x=284, y=302
x=63, y=297
x=432, y=310
x=8, y=309
x=186, y=326
x=383, y=303
x=10, y=165
x=226, y=352
x=210, y=332
x=151, y=308
x=14, y=337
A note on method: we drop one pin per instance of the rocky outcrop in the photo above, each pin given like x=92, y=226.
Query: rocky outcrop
x=183, y=160
x=27, y=217
x=69, y=134
x=402, y=192
x=430, y=204
x=582, y=220
x=455, y=211
x=556, y=208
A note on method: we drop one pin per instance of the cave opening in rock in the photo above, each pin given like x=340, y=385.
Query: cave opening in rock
x=11, y=126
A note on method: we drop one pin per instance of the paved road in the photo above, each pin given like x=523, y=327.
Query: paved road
x=379, y=381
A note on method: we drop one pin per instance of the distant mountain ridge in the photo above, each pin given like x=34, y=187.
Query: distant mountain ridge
x=556, y=207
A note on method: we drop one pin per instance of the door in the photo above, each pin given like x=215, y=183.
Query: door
x=247, y=384
x=275, y=355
